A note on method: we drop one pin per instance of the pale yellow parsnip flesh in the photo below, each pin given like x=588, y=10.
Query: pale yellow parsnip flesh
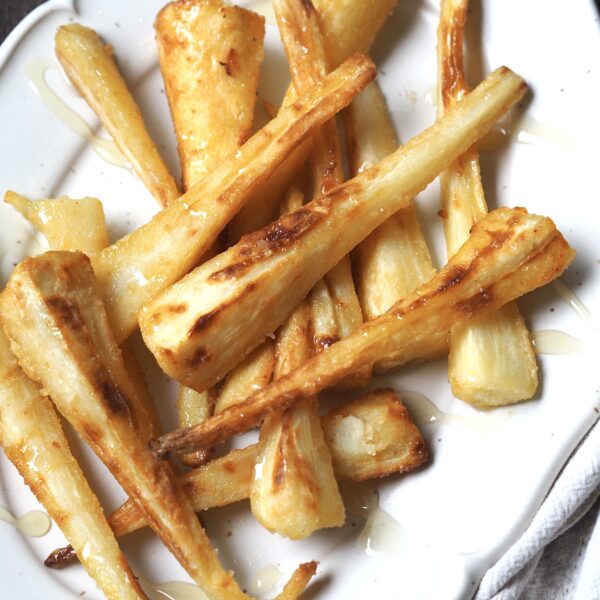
x=210, y=55
x=67, y=224
x=226, y=307
x=393, y=260
x=491, y=361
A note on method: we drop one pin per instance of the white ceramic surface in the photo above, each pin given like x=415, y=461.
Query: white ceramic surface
x=457, y=516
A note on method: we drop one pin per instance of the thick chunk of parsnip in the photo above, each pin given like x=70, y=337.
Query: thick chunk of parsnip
x=210, y=55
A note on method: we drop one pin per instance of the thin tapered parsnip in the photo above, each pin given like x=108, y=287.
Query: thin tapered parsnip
x=201, y=327
x=299, y=581
x=349, y=26
x=210, y=55
x=301, y=34
x=52, y=301
x=359, y=451
x=508, y=254
x=67, y=224
x=135, y=269
x=491, y=361
x=32, y=438
x=91, y=68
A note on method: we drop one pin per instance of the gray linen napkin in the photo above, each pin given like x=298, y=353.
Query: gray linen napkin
x=558, y=557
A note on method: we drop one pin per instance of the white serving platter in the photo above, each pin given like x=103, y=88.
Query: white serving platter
x=489, y=472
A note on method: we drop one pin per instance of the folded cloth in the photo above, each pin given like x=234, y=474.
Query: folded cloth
x=558, y=557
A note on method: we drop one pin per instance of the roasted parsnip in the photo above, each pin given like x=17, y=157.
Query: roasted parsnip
x=210, y=54
x=368, y=452
x=299, y=581
x=349, y=26
x=67, y=224
x=201, y=327
x=32, y=438
x=294, y=491
x=302, y=39
x=52, y=301
x=491, y=361
x=135, y=269
x=372, y=437
x=393, y=260
x=508, y=254
x=91, y=68
x=80, y=225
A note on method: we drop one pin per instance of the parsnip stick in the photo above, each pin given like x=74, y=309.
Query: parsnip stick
x=359, y=451
x=134, y=270
x=491, y=361
x=90, y=65
x=299, y=581
x=67, y=224
x=350, y=26
x=508, y=254
x=32, y=438
x=393, y=260
x=201, y=327
x=80, y=225
x=52, y=300
x=294, y=491
x=210, y=55
x=301, y=35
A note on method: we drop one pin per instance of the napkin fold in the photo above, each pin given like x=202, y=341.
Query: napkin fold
x=558, y=556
